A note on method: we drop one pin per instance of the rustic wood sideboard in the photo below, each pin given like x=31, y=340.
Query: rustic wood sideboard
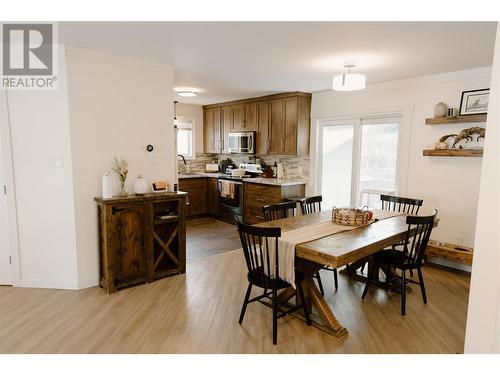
x=141, y=238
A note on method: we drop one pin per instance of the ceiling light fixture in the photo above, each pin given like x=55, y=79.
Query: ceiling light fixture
x=349, y=81
x=187, y=94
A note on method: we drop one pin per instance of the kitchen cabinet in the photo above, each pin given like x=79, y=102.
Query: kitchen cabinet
x=262, y=135
x=289, y=126
x=211, y=130
x=258, y=195
x=238, y=118
x=197, y=195
x=289, y=144
x=141, y=238
x=245, y=117
x=226, y=127
x=213, y=196
x=281, y=122
x=276, y=127
x=251, y=116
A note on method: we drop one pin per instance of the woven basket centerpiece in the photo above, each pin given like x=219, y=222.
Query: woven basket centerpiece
x=351, y=216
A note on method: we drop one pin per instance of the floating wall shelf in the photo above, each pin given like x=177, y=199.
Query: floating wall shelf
x=465, y=152
x=455, y=120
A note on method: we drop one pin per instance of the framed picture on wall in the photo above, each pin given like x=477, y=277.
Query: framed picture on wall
x=474, y=102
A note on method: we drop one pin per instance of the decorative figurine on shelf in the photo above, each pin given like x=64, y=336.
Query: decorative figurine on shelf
x=466, y=134
x=120, y=167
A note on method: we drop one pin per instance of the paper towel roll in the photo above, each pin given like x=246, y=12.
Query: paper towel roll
x=107, y=185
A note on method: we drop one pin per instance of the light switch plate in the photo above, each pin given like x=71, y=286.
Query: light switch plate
x=56, y=161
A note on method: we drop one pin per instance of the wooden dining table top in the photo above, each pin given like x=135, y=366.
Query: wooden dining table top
x=345, y=247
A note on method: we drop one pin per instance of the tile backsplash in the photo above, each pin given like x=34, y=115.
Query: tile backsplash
x=293, y=166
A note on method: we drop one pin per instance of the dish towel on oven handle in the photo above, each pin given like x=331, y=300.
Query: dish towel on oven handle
x=227, y=189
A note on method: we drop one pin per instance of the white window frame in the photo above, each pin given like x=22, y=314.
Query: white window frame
x=402, y=117
x=193, y=136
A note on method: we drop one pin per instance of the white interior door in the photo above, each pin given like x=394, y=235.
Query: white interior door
x=5, y=243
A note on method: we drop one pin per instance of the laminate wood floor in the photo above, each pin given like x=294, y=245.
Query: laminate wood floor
x=207, y=236
x=198, y=313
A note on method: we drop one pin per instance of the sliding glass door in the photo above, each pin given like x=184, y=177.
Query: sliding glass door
x=358, y=158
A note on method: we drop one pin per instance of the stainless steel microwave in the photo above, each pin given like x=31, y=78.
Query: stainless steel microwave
x=241, y=143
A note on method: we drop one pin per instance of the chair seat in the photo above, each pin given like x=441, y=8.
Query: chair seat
x=394, y=258
x=258, y=278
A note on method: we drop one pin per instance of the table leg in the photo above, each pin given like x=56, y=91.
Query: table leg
x=325, y=313
x=328, y=321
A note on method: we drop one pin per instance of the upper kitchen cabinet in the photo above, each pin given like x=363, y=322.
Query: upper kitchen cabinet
x=281, y=122
x=227, y=116
x=262, y=142
x=211, y=130
x=244, y=117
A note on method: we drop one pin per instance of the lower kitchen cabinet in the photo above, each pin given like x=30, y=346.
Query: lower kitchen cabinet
x=213, y=196
x=197, y=195
x=258, y=195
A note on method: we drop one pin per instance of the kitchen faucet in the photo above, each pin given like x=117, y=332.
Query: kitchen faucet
x=185, y=164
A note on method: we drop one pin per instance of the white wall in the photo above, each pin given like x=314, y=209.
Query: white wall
x=39, y=128
x=194, y=112
x=483, y=317
x=117, y=107
x=449, y=184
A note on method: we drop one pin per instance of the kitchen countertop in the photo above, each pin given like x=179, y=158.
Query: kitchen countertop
x=200, y=175
x=255, y=180
x=277, y=181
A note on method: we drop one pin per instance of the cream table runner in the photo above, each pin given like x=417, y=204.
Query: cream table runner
x=291, y=238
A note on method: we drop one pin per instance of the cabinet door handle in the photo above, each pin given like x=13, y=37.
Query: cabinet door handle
x=281, y=144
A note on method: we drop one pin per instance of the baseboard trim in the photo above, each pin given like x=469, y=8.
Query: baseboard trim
x=47, y=284
x=88, y=283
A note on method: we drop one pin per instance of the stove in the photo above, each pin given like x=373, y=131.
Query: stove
x=232, y=206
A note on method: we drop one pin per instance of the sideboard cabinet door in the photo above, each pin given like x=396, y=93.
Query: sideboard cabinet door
x=127, y=242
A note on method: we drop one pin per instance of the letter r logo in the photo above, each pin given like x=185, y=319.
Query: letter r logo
x=27, y=49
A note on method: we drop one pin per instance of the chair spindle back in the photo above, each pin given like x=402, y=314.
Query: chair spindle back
x=417, y=237
x=279, y=211
x=256, y=248
x=409, y=206
x=311, y=205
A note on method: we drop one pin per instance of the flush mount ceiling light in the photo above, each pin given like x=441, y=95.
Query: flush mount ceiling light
x=187, y=94
x=349, y=81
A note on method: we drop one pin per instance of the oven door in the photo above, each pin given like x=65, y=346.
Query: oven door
x=230, y=206
x=241, y=143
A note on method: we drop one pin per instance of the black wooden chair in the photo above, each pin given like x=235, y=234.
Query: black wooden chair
x=255, y=243
x=311, y=205
x=409, y=206
x=417, y=237
x=279, y=210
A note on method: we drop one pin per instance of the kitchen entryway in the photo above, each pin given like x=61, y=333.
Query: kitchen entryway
x=207, y=236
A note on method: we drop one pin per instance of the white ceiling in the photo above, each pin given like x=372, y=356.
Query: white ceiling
x=234, y=60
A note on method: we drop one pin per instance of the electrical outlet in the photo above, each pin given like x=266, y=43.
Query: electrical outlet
x=459, y=240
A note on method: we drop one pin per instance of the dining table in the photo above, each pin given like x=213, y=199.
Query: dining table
x=335, y=251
